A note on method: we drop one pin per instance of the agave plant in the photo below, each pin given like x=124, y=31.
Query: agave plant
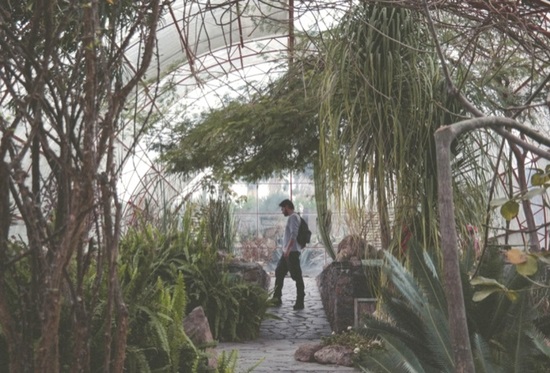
x=414, y=328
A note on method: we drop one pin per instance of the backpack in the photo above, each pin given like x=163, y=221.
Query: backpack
x=304, y=234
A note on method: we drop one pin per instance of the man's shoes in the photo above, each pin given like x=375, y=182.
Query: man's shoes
x=275, y=302
x=299, y=305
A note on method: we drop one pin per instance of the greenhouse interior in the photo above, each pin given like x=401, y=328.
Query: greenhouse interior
x=149, y=149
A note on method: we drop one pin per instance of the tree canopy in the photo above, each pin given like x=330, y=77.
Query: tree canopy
x=272, y=132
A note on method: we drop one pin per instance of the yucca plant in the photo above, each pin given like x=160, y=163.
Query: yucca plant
x=382, y=99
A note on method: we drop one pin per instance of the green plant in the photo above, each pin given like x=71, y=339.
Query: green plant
x=227, y=362
x=233, y=307
x=219, y=217
x=66, y=208
x=155, y=291
x=381, y=101
x=415, y=332
x=359, y=342
x=503, y=309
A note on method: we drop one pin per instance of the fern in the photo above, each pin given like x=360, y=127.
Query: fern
x=165, y=273
x=227, y=362
x=179, y=298
x=136, y=361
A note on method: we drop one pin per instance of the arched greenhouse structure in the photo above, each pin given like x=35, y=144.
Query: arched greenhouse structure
x=147, y=144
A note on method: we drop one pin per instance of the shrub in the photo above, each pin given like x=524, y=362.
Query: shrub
x=415, y=332
x=233, y=307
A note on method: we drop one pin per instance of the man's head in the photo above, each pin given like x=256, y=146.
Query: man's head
x=287, y=207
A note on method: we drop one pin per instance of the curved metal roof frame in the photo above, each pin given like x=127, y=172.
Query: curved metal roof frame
x=223, y=31
x=206, y=50
x=204, y=40
x=206, y=47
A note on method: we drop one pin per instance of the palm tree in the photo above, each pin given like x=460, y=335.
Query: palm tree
x=382, y=100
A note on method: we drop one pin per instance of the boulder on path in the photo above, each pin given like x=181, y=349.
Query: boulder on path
x=305, y=352
x=335, y=354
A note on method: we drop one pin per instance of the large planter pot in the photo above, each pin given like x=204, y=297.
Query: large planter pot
x=341, y=284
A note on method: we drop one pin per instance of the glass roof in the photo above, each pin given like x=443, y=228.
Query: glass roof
x=210, y=50
x=205, y=40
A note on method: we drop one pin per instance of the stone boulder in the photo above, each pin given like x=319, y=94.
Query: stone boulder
x=249, y=272
x=354, y=248
x=197, y=328
x=306, y=352
x=335, y=354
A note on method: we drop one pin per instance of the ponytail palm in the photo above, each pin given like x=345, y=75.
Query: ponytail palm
x=382, y=100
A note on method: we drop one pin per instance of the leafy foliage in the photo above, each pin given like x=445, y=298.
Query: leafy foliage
x=273, y=132
x=382, y=99
x=509, y=318
x=234, y=308
x=220, y=222
x=163, y=274
x=155, y=293
x=65, y=85
x=415, y=333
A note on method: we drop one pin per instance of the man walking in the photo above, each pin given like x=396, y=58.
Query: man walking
x=290, y=260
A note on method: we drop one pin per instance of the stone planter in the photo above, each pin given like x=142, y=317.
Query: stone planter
x=341, y=284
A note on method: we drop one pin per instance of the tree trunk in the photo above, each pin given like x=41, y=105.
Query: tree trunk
x=447, y=225
x=456, y=309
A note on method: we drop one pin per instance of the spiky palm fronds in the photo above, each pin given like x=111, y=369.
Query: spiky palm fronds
x=417, y=325
x=414, y=329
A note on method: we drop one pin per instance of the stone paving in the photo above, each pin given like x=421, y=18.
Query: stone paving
x=279, y=337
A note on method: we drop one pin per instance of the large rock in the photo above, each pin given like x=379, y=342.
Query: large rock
x=346, y=279
x=354, y=248
x=197, y=328
x=335, y=354
x=306, y=352
x=250, y=272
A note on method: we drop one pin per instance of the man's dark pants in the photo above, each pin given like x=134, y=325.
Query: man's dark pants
x=291, y=265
